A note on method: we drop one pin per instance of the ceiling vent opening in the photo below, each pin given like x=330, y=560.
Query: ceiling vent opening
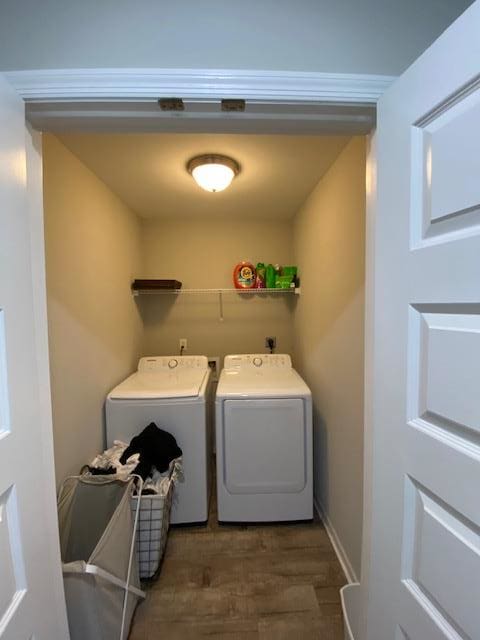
x=171, y=104
x=233, y=104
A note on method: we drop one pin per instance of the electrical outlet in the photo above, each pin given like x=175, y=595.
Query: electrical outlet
x=270, y=342
x=183, y=344
x=214, y=364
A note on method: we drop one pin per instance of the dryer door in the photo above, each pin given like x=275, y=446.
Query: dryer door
x=264, y=446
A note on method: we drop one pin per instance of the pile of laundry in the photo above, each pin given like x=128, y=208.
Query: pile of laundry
x=153, y=455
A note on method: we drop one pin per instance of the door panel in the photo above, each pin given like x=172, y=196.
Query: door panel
x=445, y=166
x=445, y=463
x=449, y=363
x=13, y=584
x=423, y=565
x=442, y=559
x=450, y=165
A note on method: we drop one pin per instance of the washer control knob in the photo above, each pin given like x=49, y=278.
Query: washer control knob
x=172, y=363
x=257, y=362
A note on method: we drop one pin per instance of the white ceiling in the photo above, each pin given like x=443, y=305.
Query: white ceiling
x=147, y=171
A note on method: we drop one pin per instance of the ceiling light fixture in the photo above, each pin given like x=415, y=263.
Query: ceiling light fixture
x=213, y=172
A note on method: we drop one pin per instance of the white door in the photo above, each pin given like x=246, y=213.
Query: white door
x=422, y=560
x=31, y=597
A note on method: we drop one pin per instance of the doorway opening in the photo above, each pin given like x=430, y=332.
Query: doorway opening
x=121, y=206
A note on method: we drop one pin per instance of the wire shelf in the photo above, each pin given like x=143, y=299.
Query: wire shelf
x=218, y=292
x=177, y=292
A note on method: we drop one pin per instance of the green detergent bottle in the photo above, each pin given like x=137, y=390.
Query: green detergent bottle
x=270, y=276
x=261, y=276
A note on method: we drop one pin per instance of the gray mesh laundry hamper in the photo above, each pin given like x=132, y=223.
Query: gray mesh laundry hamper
x=97, y=538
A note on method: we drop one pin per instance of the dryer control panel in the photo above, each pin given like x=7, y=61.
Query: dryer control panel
x=172, y=363
x=258, y=361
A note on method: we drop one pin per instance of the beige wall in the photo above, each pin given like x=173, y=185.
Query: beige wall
x=202, y=253
x=92, y=254
x=95, y=246
x=329, y=237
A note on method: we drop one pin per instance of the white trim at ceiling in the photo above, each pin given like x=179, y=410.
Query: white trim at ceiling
x=125, y=100
x=197, y=84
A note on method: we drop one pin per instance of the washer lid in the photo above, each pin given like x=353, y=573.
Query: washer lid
x=160, y=384
x=261, y=383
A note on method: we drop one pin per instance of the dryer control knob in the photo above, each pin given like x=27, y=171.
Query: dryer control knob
x=257, y=362
x=172, y=364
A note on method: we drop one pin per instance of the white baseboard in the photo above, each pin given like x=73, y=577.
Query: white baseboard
x=342, y=556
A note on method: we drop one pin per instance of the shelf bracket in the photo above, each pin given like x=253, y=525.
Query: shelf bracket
x=220, y=305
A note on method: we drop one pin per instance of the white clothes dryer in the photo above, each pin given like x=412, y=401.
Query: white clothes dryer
x=263, y=412
x=175, y=393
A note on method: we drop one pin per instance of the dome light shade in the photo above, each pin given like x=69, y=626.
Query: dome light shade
x=213, y=172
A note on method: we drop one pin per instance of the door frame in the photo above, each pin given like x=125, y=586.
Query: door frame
x=114, y=85
x=34, y=194
x=124, y=100
x=86, y=100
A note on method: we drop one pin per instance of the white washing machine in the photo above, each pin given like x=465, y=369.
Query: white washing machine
x=264, y=444
x=175, y=393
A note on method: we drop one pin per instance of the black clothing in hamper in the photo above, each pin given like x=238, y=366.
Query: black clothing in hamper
x=156, y=448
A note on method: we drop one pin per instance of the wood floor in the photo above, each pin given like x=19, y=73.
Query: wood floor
x=269, y=582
